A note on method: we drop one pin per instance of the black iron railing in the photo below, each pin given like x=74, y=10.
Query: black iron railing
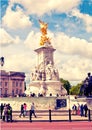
x=50, y=115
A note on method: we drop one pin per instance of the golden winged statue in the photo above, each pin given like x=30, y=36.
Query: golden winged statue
x=43, y=28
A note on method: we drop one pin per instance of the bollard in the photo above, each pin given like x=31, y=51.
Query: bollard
x=30, y=116
x=89, y=118
x=11, y=117
x=50, y=116
x=70, y=115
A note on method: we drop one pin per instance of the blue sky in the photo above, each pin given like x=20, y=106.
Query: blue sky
x=69, y=27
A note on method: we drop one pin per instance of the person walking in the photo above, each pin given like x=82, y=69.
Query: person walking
x=22, y=111
x=1, y=110
x=82, y=110
x=25, y=109
x=78, y=109
x=32, y=110
x=9, y=112
x=5, y=113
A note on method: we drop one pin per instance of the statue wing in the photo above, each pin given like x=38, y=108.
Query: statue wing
x=42, y=24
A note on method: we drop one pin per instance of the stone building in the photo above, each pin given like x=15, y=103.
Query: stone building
x=12, y=83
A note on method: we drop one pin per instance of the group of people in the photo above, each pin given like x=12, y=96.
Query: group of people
x=86, y=88
x=6, y=112
x=24, y=110
x=80, y=110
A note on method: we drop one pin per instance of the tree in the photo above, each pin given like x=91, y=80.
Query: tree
x=66, y=84
x=75, y=90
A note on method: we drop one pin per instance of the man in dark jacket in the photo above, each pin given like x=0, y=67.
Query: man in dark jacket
x=85, y=110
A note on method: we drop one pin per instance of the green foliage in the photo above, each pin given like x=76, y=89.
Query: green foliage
x=75, y=90
x=66, y=84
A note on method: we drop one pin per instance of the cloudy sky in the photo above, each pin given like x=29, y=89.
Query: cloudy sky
x=69, y=27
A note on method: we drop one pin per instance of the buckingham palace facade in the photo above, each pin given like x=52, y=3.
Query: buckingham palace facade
x=11, y=83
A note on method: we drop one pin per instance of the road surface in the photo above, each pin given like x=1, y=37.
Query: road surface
x=80, y=125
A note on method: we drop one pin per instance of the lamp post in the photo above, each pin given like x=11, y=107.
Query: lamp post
x=69, y=100
x=69, y=109
x=2, y=61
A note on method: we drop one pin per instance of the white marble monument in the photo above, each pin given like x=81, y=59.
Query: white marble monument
x=45, y=77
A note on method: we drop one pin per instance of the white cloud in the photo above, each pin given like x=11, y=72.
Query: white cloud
x=16, y=19
x=75, y=68
x=72, y=45
x=90, y=39
x=45, y=6
x=78, y=57
x=7, y=39
x=19, y=62
x=85, y=17
x=32, y=40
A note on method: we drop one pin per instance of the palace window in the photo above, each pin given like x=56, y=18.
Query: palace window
x=20, y=91
x=16, y=91
x=6, y=83
x=16, y=84
x=12, y=92
x=20, y=84
x=0, y=91
x=6, y=90
x=0, y=83
x=13, y=84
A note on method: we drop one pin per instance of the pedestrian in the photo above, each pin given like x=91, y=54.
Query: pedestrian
x=5, y=113
x=25, y=109
x=85, y=110
x=74, y=109
x=78, y=109
x=22, y=111
x=9, y=113
x=1, y=110
x=32, y=110
x=82, y=110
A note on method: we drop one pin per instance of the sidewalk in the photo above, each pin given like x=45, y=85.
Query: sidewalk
x=54, y=118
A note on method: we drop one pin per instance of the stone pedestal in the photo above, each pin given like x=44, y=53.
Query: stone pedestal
x=47, y=88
